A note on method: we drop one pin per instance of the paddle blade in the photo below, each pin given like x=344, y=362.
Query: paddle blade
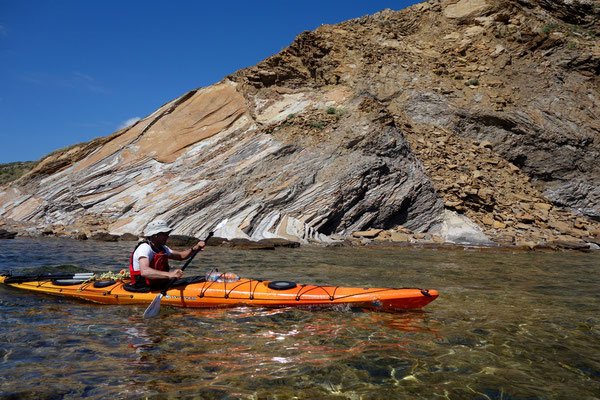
x=220, y=225
x=154, y=307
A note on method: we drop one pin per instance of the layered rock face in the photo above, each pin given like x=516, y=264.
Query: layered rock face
x=215, y=154
x=481, y=111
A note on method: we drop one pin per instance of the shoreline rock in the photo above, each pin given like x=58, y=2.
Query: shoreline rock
x=393, y=238
x=502, y=240
x=4, y=234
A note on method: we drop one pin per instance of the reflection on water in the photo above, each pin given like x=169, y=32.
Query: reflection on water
x=510, y=326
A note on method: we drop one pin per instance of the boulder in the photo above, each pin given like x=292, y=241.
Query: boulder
x=437, y=239
x=560, y=226
x=182, y=241
x=593, y=239
x=505, y=239
x=541, y=215
x=522, y=226
x=399, y=237
x=277, y=242
x=488, y=220
x=526, y=244
x=543, y=206
x=129, y=237
x=594, y=246
x=525, y=218
x=459, y=229
x=579, y=225
x=466, y=9
x=383, y=236
x=370, y=234
x=104, y=237
x=4, y=234
x=567, y=243
x=81, y=236
x=498, y=225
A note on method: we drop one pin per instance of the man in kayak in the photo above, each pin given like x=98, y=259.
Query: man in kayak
x=149, y=262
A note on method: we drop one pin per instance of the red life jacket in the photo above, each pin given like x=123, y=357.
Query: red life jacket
x=159, y=262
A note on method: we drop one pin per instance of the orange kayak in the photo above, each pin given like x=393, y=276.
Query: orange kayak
x=243, y=292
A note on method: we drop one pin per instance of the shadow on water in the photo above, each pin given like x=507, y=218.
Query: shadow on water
x=506, y=326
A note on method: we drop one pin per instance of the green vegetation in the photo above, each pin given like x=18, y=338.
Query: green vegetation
x=569, y=30
x=582, y=31
x=317, y=124
x=551, y=28
x=288, y=121
x=13, y=171
x=336, y=112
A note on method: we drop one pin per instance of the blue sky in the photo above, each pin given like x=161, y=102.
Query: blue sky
x=74, y=70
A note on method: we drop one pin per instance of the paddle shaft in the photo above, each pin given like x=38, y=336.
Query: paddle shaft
x=173, y=280
x=41, y=277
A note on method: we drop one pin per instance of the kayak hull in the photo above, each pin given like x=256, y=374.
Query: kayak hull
x=245, y=292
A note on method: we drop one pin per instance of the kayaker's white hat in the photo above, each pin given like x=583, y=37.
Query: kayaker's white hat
x=157, y=226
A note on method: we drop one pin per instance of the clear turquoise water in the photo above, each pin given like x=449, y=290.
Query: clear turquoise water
x=506, y=326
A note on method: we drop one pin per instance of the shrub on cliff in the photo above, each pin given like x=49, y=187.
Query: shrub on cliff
x=13, y=171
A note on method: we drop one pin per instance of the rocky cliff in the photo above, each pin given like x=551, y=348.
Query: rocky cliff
x=470, y=120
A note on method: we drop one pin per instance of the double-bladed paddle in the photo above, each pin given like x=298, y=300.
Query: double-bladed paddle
x=154, y=307
x=46, y=276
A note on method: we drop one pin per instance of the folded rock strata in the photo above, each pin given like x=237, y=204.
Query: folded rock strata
x=245, y=159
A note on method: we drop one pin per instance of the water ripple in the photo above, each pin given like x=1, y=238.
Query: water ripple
x=510, y=326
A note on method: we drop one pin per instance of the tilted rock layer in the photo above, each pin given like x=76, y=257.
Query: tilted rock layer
x=486, y=108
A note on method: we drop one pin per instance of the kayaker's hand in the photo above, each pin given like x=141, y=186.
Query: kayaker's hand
x=200, y=245
x=176, y=274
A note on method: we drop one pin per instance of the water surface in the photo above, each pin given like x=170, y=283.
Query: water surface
x=506, y=326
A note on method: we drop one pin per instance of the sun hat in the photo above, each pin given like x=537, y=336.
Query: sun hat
x=157, y=226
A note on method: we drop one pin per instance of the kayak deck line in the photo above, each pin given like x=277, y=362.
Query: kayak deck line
x=250, y=292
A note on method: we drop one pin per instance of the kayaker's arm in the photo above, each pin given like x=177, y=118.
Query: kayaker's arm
x=151, y=273
x=185, y=254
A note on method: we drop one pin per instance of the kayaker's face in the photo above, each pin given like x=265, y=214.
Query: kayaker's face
x=161, y=238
